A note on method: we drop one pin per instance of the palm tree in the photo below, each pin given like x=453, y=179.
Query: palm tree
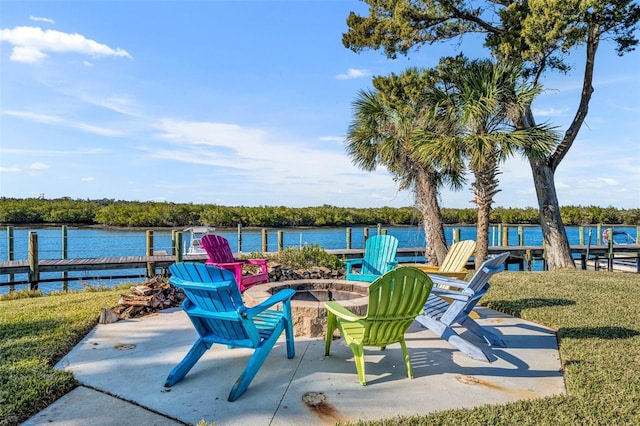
x=382, y=133
x=483, y=98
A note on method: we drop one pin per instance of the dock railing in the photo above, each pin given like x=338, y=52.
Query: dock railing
x=154, y=261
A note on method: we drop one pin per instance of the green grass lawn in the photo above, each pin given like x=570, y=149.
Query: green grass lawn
x=595, y=314
x=35, y=333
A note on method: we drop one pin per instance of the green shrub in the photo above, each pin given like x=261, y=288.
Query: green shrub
x=305, y=257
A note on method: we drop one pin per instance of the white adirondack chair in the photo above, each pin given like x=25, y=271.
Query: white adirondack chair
x=451, y=302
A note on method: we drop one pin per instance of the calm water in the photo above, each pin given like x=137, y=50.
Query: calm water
x=87, y=243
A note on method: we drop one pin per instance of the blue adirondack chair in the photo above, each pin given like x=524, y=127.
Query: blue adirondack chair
x=215, y=307
x=379, y=257
x=451, y=302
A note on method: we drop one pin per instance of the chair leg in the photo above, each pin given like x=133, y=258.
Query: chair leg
x=181, y=370
x=447, y=333
x=407, y=361
x=288, y=330
x=254, y=364
x=358, y=355
x=331, y=326
x=466, y=347
x=489, y=336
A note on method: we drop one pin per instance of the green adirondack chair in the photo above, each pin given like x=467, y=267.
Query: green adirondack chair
x=215, y=307
x=379, y=257
x=395, y=299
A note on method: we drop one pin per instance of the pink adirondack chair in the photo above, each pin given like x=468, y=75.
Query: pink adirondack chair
x=219, y=253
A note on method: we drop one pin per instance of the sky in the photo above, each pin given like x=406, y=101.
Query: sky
x=247, y=103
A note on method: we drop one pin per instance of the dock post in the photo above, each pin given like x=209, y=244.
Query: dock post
x=177, y=246
x=239, y=238
x=599, y=234
x=265, y=241
x=151, y=269
x=34, y=272
x=609, y=232
x=366, y=236
x=505, y=235
x=10, y=255
x=348, y=239
x=65, y=255
x=280, y=240
x=379, y=228
x=581, y=235
x=520, y=235
x=528, y=257
x=455, y=236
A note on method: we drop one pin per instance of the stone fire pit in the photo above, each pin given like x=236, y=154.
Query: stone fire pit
x=307, y=305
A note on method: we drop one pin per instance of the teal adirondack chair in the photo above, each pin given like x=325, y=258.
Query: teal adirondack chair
x=379, y=257
x=451, y=302
x=215, y=307
x=395, y=299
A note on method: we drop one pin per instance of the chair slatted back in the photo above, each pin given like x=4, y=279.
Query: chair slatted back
x=477, y=287
x=379, y=251
x=486, y=270
x=217, y=248
x=395, y=299
x=458, y=256
x=218, y=316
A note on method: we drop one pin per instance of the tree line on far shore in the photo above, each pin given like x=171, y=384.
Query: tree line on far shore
x=110, y=212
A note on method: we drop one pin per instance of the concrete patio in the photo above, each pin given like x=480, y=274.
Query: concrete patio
x=122, y=368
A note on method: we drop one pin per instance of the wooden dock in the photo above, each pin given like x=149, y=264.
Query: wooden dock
x=522, y=256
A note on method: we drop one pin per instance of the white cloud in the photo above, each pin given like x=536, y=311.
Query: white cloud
x=38, y=19
x=549, y=112
x=39, y=166
x=10, y=169
x=331, y=138
x=54, y=153
x=601, y=182
x=242, y=157
x=122, y=103
x=52, y=119
x=353, y=73
x=87, y=179
x=31, y=43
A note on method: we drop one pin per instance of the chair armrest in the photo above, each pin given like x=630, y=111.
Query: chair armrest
x=391, y=265
x=457, y=275
x=229, y=265
x=349, y=264
x=259, y=262
x=427, y=268
x=282, y=296
x=439, y=280
x=353, y=261
x=340, y=311
x=450, y=294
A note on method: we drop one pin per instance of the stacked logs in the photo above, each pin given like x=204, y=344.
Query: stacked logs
x=151, y=296
x=277, y=273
